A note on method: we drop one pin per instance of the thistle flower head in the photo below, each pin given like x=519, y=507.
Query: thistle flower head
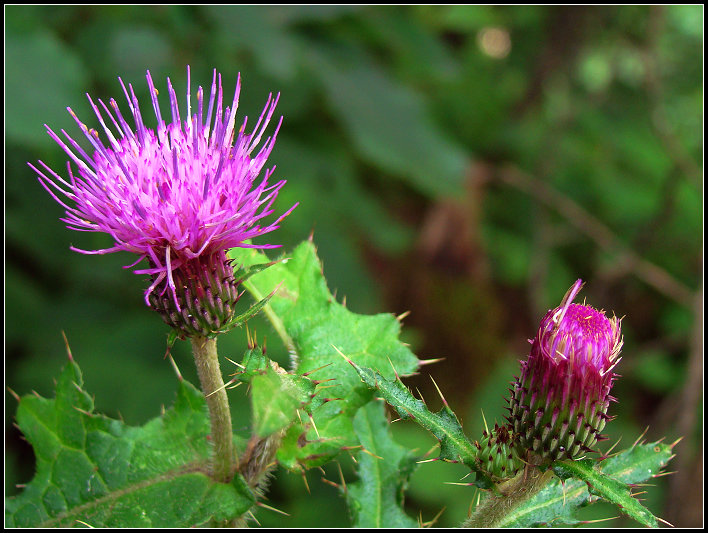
x=178, y=195
x=559, y=402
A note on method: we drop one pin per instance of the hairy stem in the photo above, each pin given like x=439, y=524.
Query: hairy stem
x=492, y=511
x=207, y=361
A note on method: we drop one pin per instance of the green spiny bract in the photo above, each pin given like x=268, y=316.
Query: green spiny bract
x=496, y=455
x=559, y=402
x=204, y=299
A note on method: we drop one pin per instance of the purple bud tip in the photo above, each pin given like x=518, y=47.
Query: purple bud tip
x=580, y=334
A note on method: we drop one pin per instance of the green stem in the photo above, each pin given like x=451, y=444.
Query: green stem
x=207, y=361
x=492, y=511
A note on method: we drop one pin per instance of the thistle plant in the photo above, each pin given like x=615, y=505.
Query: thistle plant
x=191, y=198
x=179, y=197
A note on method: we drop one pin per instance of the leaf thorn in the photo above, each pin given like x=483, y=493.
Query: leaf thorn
x=313, y=425
x=434, y=520
x=174, y=366
x=662, y=474
x=86, y=413
x=304, y=480
x=341, y=477
x=395, y=373
x=640, y=437
x=222, y=387
x=344, y=356
x=372, y=454
x=66, y=343
x=671, y=446
x=664, y=521
x=423, y=362
x=316, y=369
x=14, y=394
x=440, y=393
x=253, y=517
x=261, y=504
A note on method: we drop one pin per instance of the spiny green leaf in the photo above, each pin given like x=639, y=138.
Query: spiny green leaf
x=275, y=398
x=302, y=444
x=313, y=323
x=274, y=407
x=101, y=472
x=254, y=363
x=389, y=126
x=558, y=501
x=607, y=488
x=638, y=463
x=376, y=499
x=444, y=425
x=315, y=328
x=305, y=446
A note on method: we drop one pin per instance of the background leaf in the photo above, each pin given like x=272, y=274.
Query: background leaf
x=28, y=56
x=391, y=128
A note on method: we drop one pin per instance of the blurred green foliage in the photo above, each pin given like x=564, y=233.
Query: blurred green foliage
x=463, y=163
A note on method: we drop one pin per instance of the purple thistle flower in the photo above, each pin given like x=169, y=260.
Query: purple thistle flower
x=178, y=196
x=559, y=402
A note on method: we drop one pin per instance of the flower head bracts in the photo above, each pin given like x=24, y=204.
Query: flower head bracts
x=186, y=190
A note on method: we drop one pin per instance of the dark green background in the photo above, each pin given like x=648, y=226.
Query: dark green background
x=468, y=185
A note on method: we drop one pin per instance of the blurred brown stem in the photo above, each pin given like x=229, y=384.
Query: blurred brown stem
x=655, y=90
x=686, y=485
x=592, y=227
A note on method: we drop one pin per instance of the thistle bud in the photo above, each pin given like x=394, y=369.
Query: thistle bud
x=559, y=402
x=495, y=453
